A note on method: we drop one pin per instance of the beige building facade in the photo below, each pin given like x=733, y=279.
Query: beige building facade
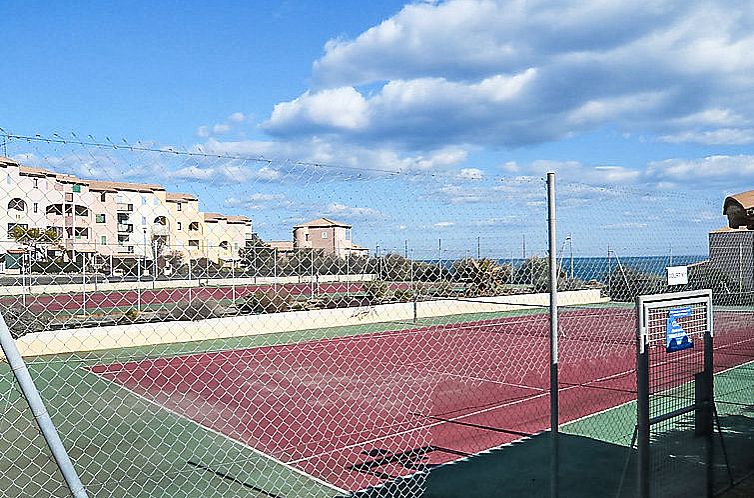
x=111, y=219
x=329, y=236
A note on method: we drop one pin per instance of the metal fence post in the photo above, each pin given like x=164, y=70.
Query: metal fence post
x=642, y=404
x=31, y=394
x=554, y=455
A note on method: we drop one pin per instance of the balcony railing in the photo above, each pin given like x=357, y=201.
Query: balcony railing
x=125, y=249
x=125, y=228
x=125, y=207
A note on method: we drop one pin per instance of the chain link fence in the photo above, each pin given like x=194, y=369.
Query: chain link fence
x=204, y=324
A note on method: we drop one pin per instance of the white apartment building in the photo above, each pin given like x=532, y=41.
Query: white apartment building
x=112, y=219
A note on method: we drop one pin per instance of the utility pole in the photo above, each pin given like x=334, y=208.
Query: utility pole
x=523, y=247
x=478, y=247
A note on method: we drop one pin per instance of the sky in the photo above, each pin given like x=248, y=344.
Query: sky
x=436, y=121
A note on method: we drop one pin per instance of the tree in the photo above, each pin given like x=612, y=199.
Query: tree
x=35, y=238
x=626, y=283
x=535, y=272
x=257, y=256
x=483, y=277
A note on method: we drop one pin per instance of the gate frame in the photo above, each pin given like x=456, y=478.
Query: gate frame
x=704, y=401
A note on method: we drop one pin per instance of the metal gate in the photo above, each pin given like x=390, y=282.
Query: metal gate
x=675, y=399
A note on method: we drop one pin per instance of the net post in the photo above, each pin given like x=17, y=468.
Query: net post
x=551, y=225
x=642, y=401
x=38, y=410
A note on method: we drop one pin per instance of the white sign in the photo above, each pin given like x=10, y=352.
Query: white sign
x=678, y=275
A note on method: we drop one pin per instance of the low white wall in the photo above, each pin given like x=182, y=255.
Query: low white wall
x=91, y=339
x=17, y=290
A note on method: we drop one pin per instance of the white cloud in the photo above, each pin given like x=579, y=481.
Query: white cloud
x=338, y=209
x=237, y=117
x=444, y=224
x=220, y=128
x=488, y=72
x=338, y=108
x=470, y=174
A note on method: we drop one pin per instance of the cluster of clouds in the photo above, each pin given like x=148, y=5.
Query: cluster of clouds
x=517, y=72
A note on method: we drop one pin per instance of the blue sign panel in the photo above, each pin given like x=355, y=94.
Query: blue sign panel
x=676, y=338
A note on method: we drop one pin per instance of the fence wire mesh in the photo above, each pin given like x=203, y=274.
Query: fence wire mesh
x=342, y=332
x=346, y=334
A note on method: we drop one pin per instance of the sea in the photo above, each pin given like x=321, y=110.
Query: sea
x=587, y=269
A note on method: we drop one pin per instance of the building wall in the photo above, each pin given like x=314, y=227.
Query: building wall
x=104, y=234
x=332, y=240
x=225, y=239
x=733, y=253
x=183, y=218
x=128, y=220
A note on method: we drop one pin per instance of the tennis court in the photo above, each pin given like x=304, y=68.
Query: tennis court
x=356, y=411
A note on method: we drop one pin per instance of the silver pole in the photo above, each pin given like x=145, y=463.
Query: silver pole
x=233, y=278
x=553, y=336
x=83, y=283
x=154, y=265
x=138, y=284
x=29, y=390
x=189, y=277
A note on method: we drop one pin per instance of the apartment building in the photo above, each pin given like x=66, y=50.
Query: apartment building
x=225, y=235
x=113, y=219
x=330, y=236
x=187, y=229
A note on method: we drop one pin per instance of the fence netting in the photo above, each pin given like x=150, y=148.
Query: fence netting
x=203, y=324
x=644, y=236
x=200, y=323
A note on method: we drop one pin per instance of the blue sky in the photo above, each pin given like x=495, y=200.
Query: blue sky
x=470, y=100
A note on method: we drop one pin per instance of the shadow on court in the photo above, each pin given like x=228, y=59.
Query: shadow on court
x=588, y=467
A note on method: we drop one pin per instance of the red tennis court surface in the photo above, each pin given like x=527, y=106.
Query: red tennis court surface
x=357, y=410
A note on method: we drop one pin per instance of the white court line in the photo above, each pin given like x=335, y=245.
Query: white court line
x=454, y=419
x=218, y=433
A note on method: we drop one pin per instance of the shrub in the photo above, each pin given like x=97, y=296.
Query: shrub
x=131, y=315
x=265, y=302
x=403, y=295
x=197, y=310
x=375, y=290
x=22, y=321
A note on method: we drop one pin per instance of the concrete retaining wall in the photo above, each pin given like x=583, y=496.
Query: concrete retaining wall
x=92, y=339
x=17, y=290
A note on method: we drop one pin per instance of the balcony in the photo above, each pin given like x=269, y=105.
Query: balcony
x=160, y=230
x=125, y=228
x=125, y=249
x=125, y=207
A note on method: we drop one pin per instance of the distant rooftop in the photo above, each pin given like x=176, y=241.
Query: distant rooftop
x=322, y=223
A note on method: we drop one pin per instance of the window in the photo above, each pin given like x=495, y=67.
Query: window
x=348, y=234
x=35, y=207
x=178, y=224
x=121, y=199
x=8, y=179
x=103, y=240
x=143, y=220
x=324, y=235
x=68, y=197
x=179, y=244
x=103, y=197
x=17, y=205
x=155, y=201
x=36, y=183
x=193, y=243
x=180, y=207
x=77, y=189
x=143, y=201
x=100, y=218
x=224, y=244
